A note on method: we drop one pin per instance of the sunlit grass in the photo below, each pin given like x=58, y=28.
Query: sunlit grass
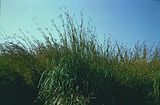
x=78, y=70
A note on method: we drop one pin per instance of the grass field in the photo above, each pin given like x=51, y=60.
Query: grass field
x=77, y=69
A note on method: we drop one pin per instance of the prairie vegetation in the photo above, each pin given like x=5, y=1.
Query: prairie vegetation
x=76, y=69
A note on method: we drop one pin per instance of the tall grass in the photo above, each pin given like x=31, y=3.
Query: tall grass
x=19, y=74
x=85, y=72
x=78, y=70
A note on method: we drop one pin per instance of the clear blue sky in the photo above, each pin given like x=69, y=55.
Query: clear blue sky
x=123, y=20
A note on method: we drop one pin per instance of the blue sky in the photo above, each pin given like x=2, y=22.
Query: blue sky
x=123, y=20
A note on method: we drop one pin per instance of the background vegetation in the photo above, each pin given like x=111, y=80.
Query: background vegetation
x=76, y=69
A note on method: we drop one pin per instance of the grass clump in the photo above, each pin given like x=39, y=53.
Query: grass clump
x=78, y=70
x=14, y=89
x=108, y=74
x=19, y=74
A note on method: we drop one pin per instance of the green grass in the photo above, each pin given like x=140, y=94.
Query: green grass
x=78, y=70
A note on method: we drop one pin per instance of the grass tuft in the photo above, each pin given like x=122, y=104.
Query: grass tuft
x=78, y=70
